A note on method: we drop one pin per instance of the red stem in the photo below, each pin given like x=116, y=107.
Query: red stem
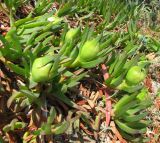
x=108, y=101
x=108, y=108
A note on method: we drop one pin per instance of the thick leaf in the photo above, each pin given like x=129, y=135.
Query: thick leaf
x=119, y=66
x=52, y=115
x=66, y=9
x=15, y=68
x=14, y=95
x=60, y=128
x=42, y=36
x=92, y=63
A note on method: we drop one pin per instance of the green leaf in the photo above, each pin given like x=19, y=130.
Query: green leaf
x=6, y=128
x=66, y=100
x=31, y=30
x=132, y=89
x=93, y=63
x=87, y=32
x=114, y=62
x=37, y=49
x=109, y=41
x=134, y=118
x=123, y=110
x=31, y=38
x=15, y=68
x=18, y=125
x=66, y=9
x=30, y=94
x=14, y=125
x=117, y=80
x=42, y=36
x=14, y=95
x=131, y=62
x=14, y=39
x=60, y=128
x=45, y=129
x=47, y=40
x=75, y=79
x=22, y=21
x=35, y=24
x=52, y=115
x=5, y=42
x=33, y=97
x=119, y=66
x=68, y=74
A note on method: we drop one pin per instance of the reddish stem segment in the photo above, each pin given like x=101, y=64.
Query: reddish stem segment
x=104, y=71
x=108, y=108
x=108, y=101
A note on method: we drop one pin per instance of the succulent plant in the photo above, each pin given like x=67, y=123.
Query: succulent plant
x=43, y=69
x=87, y=53
x=47, y=59
x=135, y=75
x=129, y=114
x=72, y=34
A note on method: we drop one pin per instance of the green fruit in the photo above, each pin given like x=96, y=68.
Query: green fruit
x=89, y=50
x=135, y=75
x=42, y=69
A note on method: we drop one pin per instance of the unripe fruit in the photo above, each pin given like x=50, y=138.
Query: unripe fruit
x=42, y=69
x=89, y=50
x=135, y=75
x=87, y=53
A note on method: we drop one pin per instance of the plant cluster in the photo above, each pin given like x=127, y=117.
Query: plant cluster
x=48, y=57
